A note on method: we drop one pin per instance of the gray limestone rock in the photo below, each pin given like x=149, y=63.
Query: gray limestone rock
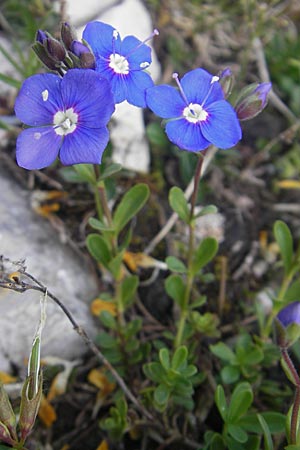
x=24, y=235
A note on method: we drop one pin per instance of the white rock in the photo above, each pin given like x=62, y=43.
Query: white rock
x=80, y=12
x=23, y=235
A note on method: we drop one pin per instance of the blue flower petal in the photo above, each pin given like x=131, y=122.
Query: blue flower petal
x=135, y=52
x=137, y=83
x=197, y=87
x=84, y=146
x=90, y=96
x=165, y=101
x=119, y=87
x=222, y=127
x=100, y=37
x=39, y=99
x=290, y=314
x=37, y=147
x=185, y=135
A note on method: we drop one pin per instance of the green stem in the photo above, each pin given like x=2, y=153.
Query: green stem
x=191, y=248
x=97, y=195
x=101, y=201
x=296, y=404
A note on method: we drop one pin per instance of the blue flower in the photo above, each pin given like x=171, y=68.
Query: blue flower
x=121, y=62
x=290, y=314
x=199, y=114
x=67, y=116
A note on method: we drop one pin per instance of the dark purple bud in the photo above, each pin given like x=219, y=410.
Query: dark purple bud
x=252, y=100
x=86, y=57
x=44, y=56
x=78, y=48
x=87, y=61
x=56, y=50
x=226, y=79
x=290, y=314
x=68, y=35
x=41, y=36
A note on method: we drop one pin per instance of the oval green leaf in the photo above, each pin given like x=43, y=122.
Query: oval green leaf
x=179, y=203
x=130, y=205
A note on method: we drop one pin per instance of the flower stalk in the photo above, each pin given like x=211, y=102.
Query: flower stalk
x=191, y=249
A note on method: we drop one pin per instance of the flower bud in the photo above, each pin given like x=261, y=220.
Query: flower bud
x=287, y=324
x=5, y=435
x=55, y=49
x=252, y=100
x=68, y=35
x=226, y=80
x=29, y=405
x=86, y=57
x=40, y=36
x=7, y=416
x=43, y=55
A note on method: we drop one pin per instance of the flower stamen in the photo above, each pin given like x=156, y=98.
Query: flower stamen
x=119, y=64
x=213, y=80
x=176, y=78
x=154, y=33
x=194, y=113
x=65, y=122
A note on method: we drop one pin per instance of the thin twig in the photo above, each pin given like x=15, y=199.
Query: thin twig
x=21, y=286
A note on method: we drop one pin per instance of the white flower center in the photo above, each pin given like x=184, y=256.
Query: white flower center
x=194, y=113
x=119, y=64
x=65, y=122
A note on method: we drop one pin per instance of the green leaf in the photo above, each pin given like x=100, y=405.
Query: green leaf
x=240, y=402
x=115, y=265
x=156, y=135
x=237, y=433
x=105, y=340
x=275, y=421
x=85, y=172
x=175, y=265
x=164, y=357
x=209, y=209
x=221, y=403
x=284, y=239
x=223, y=352
x=130, y=205
x=129, y=287
x=175, y=288
x=293, y=292
x=204, y=253
x=98, y=248
x=267, y=435
x=108, y=320
x=162, y=394
x=179, y=204
x=109, y=171
x=98, y=225
x=179, y=359
x=155, y=372
x=230, y=374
